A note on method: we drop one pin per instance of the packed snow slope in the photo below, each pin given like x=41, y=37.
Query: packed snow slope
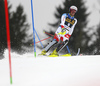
x=51, y=71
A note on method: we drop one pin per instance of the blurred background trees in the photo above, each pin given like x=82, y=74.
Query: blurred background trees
x=95, y=47
x=20, y=39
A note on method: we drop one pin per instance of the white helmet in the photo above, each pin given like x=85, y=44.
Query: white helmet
x=73, y=7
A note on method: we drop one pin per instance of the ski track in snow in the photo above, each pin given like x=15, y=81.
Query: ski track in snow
x=51, y=71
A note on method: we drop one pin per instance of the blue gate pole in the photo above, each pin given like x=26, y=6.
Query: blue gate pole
x=39, y=38
x=68, y=49
x=33, y=28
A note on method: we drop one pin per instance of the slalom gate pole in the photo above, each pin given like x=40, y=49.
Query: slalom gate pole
x=39, y=38
x=54, y=35
x=8, y=37
x=68, y=49
x=33, y=28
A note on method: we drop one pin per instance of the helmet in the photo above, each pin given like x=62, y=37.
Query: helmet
x=73, y=7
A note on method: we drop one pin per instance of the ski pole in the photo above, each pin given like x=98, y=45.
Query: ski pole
x=48, y=33
x=39, y=41
x=42, y=39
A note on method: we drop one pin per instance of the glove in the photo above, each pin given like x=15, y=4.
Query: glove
x=63, y=28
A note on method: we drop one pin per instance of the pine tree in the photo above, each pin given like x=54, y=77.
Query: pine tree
x=79, y=37
x=3, y=39
x=18, y=29
x=95, y=47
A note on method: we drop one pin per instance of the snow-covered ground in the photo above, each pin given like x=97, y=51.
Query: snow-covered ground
x=50, y=71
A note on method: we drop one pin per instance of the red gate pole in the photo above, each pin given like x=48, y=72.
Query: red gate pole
x=8, y=37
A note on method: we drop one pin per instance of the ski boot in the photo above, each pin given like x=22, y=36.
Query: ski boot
x=54, y=54
x=43, y=53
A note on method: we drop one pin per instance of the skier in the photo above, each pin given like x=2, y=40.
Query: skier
x=63, y=32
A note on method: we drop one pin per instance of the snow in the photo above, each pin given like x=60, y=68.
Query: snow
x=50, y=71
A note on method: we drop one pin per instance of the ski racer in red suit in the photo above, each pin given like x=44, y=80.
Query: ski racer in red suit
x=63, y=32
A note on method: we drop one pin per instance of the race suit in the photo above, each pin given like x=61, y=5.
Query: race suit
x=66, y=27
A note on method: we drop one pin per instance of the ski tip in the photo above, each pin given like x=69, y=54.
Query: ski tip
x=78, y=52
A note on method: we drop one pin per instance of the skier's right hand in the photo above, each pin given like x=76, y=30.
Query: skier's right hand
x=62, y=27
x=63, y=30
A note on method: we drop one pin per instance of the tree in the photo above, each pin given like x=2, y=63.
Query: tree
x=79, y=37
x=95, y=47
x=18, y=29
x=3, y=41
